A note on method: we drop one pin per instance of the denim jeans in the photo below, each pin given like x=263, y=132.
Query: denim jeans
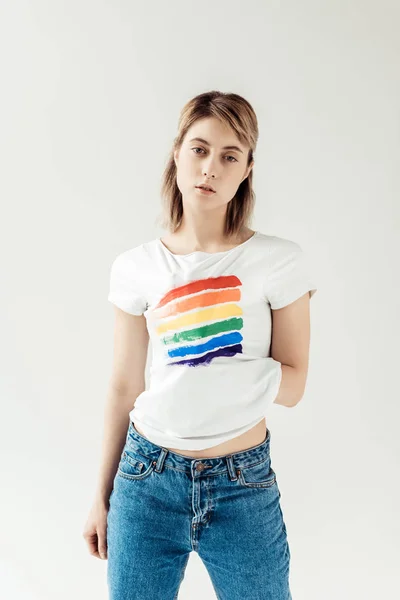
x=164, y=506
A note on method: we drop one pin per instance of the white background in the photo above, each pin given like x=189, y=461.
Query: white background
x=90, y=98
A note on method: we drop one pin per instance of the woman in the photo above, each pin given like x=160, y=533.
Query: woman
x=186, y=463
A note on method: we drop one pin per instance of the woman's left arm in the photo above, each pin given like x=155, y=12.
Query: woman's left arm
x=290, y=344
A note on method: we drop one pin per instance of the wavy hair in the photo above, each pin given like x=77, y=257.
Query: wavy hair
x=236, y=112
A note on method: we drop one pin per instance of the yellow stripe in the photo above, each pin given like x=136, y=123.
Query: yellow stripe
x=194, y=318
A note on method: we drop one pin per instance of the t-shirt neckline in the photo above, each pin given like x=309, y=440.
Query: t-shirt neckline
x=201, y=252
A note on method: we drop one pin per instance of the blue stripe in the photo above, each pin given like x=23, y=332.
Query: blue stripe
x=216, y=342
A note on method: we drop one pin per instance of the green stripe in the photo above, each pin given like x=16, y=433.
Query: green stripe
x=205, y=331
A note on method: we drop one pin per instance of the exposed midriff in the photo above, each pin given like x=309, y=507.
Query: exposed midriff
x=253, y=437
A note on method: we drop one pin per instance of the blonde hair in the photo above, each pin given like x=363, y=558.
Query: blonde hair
x=236, y=112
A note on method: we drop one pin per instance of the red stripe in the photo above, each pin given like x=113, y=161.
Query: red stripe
x=193, y=287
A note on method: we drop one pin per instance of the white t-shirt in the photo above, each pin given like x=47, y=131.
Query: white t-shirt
x=209, y=321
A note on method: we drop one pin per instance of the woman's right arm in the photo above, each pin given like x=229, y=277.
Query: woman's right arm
x=127, y=382
x=131, y=341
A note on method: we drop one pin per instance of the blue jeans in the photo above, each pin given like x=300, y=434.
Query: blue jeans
x=227, y=509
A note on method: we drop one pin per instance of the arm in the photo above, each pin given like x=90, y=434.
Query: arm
x=127, y=382
x=290, y=346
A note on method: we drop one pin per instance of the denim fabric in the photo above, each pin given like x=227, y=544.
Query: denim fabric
x=227, y=509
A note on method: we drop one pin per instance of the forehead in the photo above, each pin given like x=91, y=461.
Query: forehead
x=215, y=132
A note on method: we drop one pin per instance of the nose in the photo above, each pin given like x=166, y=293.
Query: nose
x=209, y=172
x=209, y=168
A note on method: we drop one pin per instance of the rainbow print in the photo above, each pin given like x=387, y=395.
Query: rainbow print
x=201, y=320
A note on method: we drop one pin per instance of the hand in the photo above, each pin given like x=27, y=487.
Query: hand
x=95, y=531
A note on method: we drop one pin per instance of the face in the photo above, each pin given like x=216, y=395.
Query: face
x=200, y=162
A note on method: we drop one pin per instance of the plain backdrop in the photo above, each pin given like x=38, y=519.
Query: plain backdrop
x=90, y=97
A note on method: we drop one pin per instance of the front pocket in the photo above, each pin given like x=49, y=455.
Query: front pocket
x=259, y=475
x=132, y=466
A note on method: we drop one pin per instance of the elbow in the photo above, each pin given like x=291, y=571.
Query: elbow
x=299, y=386
x=298, y=397
x=295, y=401
x=292, y=387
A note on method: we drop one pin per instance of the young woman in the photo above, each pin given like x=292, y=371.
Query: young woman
x=186, y=463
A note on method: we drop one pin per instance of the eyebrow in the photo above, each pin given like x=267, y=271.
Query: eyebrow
x=197, y=139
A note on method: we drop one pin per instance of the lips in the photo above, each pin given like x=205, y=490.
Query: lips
x=206, y=187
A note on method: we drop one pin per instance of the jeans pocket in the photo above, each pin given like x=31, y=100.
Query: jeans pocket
x=259, y=475
x=133, y=465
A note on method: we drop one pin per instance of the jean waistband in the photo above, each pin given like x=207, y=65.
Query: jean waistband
x=233, y=461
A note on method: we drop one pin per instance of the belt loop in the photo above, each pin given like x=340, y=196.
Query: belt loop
x=161, y=459
x=231, y=467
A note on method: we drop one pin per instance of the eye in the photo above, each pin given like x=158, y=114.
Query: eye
x=232, y=157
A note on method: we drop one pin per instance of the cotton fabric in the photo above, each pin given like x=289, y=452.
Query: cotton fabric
x=210, y=325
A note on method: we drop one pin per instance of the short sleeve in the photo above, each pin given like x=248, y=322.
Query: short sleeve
x=288, y=278
x=124, y=287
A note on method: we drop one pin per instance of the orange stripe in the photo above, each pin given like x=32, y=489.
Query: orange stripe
x=207, y=299
x=200, y=285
